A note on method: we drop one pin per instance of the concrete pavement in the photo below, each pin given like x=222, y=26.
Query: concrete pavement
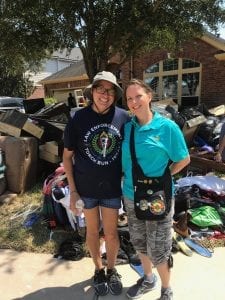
x=29, y=276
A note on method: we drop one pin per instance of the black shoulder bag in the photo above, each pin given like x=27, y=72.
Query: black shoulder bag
x=152, y=195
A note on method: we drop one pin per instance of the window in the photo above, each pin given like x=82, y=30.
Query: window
x=188, y=63
x=170, y=64
x=170, y=86
x=190, y=84
x=174, y=78
x=152, y=69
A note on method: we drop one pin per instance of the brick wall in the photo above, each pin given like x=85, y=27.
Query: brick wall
x=213, y=70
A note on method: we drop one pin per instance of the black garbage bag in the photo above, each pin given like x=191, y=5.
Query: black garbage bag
x=71, y=249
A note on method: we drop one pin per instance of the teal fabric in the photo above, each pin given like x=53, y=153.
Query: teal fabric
x=156, y=143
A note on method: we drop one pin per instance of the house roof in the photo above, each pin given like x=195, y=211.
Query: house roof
x=214, y=40
x=75, y=71
x=217, y=42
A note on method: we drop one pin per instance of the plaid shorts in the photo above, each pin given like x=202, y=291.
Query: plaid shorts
x=152, y=238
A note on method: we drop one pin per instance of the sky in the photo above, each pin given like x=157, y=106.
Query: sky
x=222, y=33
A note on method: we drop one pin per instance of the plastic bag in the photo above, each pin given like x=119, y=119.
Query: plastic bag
x=205, y=216
x=62, y=196
x=208, y=183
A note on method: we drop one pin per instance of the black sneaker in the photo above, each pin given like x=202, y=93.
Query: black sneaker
x=100, y=283
x=114, y=282
x=166, y=294
x=141, y=287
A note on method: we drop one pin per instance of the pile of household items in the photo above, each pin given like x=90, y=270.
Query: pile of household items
x=31, y=144
x=201, y=128
x=199, y=220
x=37, y=136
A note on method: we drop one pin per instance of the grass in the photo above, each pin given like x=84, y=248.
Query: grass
x=13, y=233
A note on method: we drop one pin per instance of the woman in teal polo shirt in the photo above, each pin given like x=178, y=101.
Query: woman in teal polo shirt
x=159, y=142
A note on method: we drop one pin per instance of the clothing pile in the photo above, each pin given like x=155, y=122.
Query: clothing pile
x=200, y=209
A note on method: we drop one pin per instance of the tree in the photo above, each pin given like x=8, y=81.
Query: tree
x=14, y=85
x=105, y=28
x=24, y=43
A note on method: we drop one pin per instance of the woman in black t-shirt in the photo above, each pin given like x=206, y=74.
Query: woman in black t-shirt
x=92, y=161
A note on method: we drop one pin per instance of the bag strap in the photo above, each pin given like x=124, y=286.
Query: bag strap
x=136, y=168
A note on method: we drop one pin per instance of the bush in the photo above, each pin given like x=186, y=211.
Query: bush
x=49, y=101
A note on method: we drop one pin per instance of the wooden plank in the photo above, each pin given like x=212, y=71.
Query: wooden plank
x=207, y=164
x=14, y=118
x=33, y=129
x=22, y=122
x=10, y=130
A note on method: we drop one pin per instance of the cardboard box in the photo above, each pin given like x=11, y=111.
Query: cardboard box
x=13, y=122
x=48, y=156
x=51, y=147
x=191, y=127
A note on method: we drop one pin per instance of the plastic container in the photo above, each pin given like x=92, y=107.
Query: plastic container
x=80, y=218
x=79, y=205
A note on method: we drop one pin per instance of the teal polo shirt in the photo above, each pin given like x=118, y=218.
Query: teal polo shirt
x=156, y=143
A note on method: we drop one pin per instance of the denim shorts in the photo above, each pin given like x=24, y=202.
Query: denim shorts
x=109, y=203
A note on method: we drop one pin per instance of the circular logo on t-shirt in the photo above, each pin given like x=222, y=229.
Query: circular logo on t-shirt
x=102, y=144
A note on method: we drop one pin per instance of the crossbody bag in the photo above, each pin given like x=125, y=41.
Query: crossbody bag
x=152, y=195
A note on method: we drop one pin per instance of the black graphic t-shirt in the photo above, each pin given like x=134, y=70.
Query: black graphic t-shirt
x=96, y=142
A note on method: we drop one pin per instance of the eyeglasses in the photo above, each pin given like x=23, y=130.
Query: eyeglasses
x=101, y=90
